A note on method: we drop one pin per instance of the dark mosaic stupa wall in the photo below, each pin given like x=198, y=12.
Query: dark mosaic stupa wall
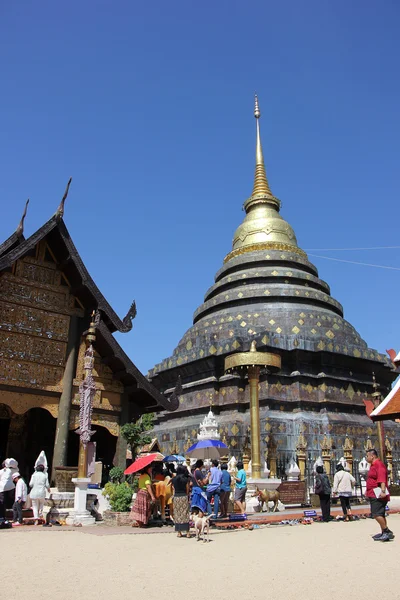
x=268, y=290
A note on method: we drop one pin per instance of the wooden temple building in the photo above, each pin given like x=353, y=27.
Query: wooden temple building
x=46, y=299
x=267, y=290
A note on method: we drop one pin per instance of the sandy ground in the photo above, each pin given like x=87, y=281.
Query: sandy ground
x=337, y=560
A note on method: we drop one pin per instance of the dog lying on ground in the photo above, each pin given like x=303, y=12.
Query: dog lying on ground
x=201, y=526
x=265, y=496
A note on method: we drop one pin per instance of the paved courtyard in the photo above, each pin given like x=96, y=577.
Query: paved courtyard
x=292, y=563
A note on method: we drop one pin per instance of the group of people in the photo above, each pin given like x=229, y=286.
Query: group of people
x=14, y=491
x=199, y=492
x=343, y=488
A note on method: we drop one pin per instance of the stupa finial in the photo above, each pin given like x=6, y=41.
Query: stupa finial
x=261, y=185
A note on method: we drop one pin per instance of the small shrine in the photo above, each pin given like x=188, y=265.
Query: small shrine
x=209, y=428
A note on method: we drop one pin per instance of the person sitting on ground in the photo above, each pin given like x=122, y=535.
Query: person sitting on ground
x=199, y=481
x=21, y=493
x=39, y=483
x=378, y=478
x=213, y=489
x=323, y=489
x=343, y=484
x=241, y=488
x=225, y=490
x=141, y=508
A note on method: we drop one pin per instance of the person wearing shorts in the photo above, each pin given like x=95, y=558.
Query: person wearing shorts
x=377, y=478
x=241, y=488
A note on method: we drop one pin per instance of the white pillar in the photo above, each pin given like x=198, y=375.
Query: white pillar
x=80, y=515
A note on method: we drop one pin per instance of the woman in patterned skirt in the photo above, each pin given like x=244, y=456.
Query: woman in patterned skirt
x=181, y=485
x=142, y=506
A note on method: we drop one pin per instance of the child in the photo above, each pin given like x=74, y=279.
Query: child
x=20, y=498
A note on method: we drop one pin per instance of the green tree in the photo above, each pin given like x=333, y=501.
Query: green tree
x=138, y=433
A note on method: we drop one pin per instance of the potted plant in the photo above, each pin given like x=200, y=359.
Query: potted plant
x=119, y=494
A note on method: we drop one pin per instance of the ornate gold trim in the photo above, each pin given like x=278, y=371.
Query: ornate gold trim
x=265, y=246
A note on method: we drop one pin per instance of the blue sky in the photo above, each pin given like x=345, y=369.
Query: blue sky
x=149, y=107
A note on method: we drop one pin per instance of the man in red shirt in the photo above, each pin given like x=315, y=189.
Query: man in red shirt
x=378, y=494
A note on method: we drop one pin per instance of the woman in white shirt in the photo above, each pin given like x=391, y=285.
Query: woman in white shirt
x=39, y=483
x=343, y=484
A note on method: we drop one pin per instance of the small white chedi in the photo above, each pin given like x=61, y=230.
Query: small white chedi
x=318, y=463
x=232, y=465
x=209, y=428
x=363, y=467
x=292, y=471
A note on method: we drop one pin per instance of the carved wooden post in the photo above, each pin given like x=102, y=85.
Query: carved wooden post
x=326, y=453
x=301, y=449
x=348, y=453
x=389, y=459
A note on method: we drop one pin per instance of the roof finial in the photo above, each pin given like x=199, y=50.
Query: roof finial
x=60, y=209
x=20, y=229
x=261, y=185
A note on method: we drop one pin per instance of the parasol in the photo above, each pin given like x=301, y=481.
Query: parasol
x=207, y=449
x=142, y=462
x=174, y=458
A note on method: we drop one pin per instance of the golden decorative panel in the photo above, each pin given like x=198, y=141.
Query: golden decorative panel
x=20, y=403
x=110, y=422
x=33, y=321
x=32, y=375
x=235, y=429
x=26, y=347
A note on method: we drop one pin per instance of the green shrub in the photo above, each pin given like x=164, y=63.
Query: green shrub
x=116, y=474
x=119, y=496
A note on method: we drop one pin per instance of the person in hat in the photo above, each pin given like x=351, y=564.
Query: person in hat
x=20, y=498
x=39, y=483
x=6, y=488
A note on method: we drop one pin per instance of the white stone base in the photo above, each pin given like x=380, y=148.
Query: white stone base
x=80, y=516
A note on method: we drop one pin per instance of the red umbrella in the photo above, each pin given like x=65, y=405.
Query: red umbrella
x=142, y=462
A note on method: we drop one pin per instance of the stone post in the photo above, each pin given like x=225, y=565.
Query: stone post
x=348, y=453
x=301, y=449
x=326, y=453
x=64, y=407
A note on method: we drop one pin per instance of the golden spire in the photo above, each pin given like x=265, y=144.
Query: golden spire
x=261, y=185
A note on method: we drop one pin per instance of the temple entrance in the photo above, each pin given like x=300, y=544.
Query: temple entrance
x=105, y=447
x=23, y=437
x=5, y=420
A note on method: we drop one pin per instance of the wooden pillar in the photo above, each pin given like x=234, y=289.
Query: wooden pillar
x=121, y=448
x=64, y=407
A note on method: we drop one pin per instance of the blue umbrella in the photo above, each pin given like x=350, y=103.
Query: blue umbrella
x=174, y=458
x=208, y=449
